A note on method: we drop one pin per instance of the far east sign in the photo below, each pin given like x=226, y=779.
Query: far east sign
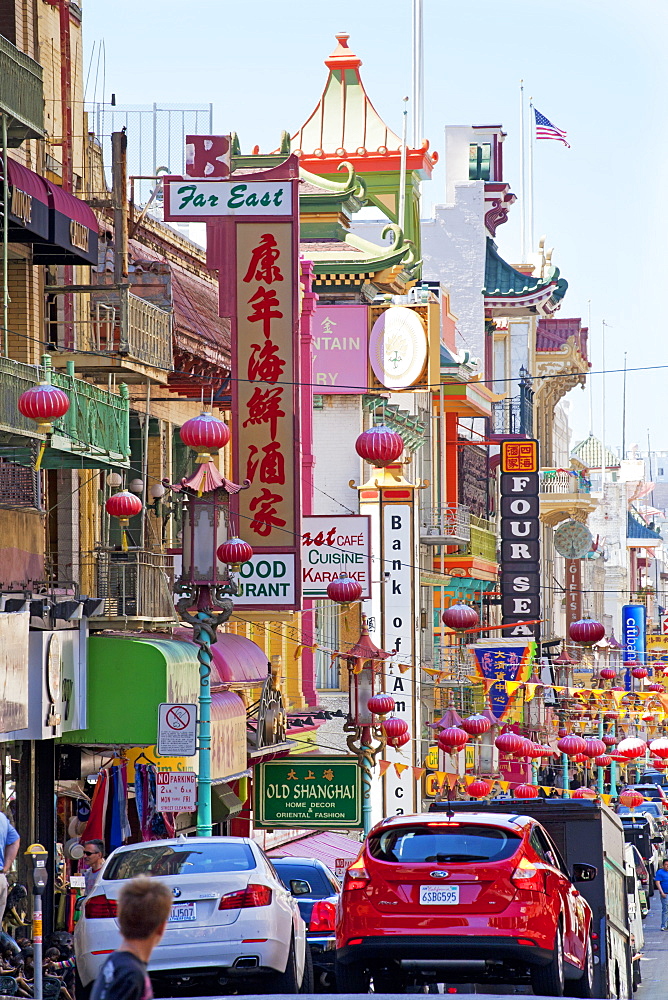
x=520, y=539
x=308, y=793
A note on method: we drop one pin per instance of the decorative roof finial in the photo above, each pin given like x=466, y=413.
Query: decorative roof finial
x=342, y=57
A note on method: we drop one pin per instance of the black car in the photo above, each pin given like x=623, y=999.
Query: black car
x=315, y=888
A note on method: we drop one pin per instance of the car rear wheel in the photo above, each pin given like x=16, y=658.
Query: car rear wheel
x=286, y=982
x=308, y=981
x=548, y=980
x=584, y=986
x=82, y=992
x=352, y=978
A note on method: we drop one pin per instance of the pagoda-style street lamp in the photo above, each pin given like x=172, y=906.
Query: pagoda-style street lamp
x=366, y=736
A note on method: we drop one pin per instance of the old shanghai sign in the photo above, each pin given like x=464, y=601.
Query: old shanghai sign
x=308, y=792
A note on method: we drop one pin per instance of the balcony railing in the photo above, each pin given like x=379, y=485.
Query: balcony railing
x=20, y=487
x=513, y=416
x=95, y=430
x=563, y=481
x=136, y=584
x=448, y=524
x=21, y=94
x=146, y=334
x=483, y=539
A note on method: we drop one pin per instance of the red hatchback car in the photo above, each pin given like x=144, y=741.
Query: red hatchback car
x=464, y=898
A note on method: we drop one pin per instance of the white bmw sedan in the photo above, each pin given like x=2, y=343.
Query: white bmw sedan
x=233, y=922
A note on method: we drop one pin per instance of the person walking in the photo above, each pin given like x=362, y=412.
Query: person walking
x=144, y=906
x=94, y=851
x=9, y=848
x=661, y=882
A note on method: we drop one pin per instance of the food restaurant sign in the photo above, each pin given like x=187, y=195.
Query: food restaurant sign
x=253, y=242
x=308, y=792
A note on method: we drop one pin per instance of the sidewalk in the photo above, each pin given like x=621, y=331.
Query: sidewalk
x=654, y=963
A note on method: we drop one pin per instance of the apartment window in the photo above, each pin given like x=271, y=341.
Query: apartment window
x=480, y=161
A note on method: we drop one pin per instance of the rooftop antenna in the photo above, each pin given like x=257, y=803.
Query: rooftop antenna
x=591, y=387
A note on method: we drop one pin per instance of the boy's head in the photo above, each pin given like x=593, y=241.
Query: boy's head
x=53, y=954
x=144, y=906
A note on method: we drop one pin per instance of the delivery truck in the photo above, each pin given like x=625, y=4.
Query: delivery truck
x=584, y=830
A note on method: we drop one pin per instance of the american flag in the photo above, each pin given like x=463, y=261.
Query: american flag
x=546, y=130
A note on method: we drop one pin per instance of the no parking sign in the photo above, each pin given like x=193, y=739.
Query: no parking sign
x=177, y=730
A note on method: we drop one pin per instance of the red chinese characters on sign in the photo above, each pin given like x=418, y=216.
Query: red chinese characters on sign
x=519, y=456
x=266, y=392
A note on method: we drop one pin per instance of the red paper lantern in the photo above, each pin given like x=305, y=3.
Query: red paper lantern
x=583, y=793
x=548, y=751
x=476, y=725
x=344, y=590
x=532, y=750
x=43, y=403
x=594, y=748
x=525, y=792
x=234, y=552
x=659, y=688
x=659, y=764
x=631, y=748
x=571, y=745
x=604, y=760
x=586, y=631
x=659, y=747
x=562, y=731
x=380, y=446
x=580, y=758
x=509, y=743
x=640, y=672
x=394, y=730
x=401, y=741
x=381, y=704
x=608, y=673
x=478, y=789
x=205, y=433
x=460, y=617
x=123, y=505
x=452, y=739
x=631, y=799
x=610, y=741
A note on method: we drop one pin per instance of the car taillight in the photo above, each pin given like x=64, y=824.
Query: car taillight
x=527, y=876
x=252, y=895
x=100, y=906
x=323, y=916
x=356, y=876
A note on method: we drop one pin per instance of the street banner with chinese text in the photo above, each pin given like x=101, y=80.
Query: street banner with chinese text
x=501, y=660
x=308, y=792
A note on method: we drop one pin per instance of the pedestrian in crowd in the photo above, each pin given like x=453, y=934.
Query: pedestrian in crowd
x=94, y=851
x=144, y=906
x=9, y=848
x=661, y=882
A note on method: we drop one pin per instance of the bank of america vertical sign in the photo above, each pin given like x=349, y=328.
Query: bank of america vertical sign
x=520, y=539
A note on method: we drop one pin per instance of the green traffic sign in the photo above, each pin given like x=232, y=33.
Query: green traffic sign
x=308, y=792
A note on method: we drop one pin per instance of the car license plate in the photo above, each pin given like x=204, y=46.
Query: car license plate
x=439, y=895
x=182, y=913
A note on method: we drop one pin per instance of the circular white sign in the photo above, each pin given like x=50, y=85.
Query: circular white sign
x=398, y=348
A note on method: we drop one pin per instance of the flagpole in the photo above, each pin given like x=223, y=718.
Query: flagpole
x=523, y=208
x=603, y=454
x=532, y=119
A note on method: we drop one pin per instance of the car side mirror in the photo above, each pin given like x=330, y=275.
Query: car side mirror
x=299, y=887
x=584, y=873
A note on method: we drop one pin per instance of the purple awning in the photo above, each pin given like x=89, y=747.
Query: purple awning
x=236, y=660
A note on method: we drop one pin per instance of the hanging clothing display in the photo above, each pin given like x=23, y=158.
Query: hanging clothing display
x=154, y=825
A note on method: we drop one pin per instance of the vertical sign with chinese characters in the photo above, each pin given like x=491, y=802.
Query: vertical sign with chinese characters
x=520, y=539
x=266, y=431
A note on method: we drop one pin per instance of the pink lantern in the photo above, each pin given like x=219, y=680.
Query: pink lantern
x=205, y=433
x=394, y=730
x=640, y=672
x=460, y=617
x=659, y=747
x=631, y=799
x=234, y=552
x=571, y=745
x=381, y=704
x=43, y=403
x=401, y=741
x=586, y=631
x=478, y=789
x=525, y=792
x=532, y=750
x=476, y=725
x=453, y=739
x=609, y=740
x=583, y=793
x=594, y=748
x=380, y=446
x=580, y=758
x=603, y=760
x=631, y=748
x=509, y=743
x=659, y=688
x=344, y=590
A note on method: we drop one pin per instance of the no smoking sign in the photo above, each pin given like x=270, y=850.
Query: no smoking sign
x=177, y=730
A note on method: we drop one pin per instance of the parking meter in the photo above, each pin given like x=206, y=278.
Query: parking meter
x=40, y=878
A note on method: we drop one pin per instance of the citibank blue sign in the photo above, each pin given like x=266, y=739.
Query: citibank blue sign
x=633, y=636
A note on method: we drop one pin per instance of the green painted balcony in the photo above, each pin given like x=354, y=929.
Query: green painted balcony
x=483, y=539
x=93, y=434
x=21, y=94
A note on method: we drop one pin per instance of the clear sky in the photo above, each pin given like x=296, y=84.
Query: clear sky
x=596, y=68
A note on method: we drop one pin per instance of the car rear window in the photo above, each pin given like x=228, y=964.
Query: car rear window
x=320, y=885
x=652, y=808
x=186, y=859
x=441, y=844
